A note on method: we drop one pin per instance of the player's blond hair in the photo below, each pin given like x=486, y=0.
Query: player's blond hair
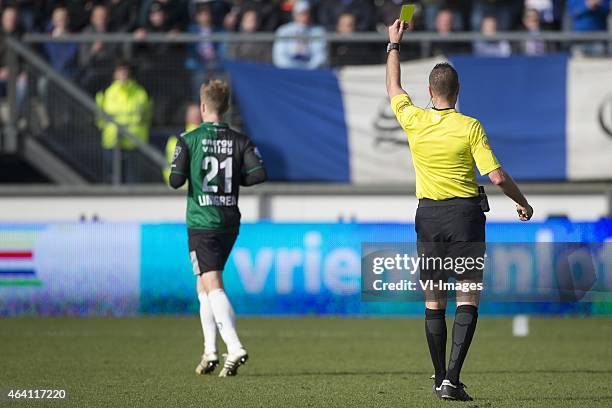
x=215, y=95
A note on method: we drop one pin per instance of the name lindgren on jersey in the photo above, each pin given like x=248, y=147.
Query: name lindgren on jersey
x=219, y=201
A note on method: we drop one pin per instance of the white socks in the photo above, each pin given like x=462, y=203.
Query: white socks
x=224, y=316
x=209, y=328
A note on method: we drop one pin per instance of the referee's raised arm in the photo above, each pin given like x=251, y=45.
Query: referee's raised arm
x=394, y=80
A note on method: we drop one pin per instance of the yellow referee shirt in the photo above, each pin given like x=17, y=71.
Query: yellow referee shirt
x=444, y=145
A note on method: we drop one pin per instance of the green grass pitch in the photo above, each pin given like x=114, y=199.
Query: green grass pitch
x=302, y=362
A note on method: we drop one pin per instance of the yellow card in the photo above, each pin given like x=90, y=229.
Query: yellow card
x=407, y=13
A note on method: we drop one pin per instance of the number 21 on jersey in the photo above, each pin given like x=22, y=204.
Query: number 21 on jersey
x=211, y=168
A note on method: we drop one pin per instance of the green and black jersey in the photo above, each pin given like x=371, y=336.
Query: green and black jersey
x=216, y=161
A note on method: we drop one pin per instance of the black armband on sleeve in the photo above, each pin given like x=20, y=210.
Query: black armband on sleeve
x=179, y=169
x=255, y=176
x=176, y=181
x=253, y=170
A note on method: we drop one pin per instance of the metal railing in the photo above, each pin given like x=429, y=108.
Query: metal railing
x=423, y=39
x=359, y=37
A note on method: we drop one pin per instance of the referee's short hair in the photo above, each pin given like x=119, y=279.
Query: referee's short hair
x=444, y=81
x=216, y=95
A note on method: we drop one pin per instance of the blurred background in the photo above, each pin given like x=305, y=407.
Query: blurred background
x=93, y=95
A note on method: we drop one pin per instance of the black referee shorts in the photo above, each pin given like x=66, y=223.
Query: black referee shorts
x=450, y=239
x=209, y=250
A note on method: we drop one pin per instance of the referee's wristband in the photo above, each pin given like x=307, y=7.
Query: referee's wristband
x=393, y=46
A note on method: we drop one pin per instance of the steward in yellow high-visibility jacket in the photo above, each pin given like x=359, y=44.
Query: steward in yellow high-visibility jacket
x=129, y=104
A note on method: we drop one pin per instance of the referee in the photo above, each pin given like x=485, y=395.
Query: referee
x=450, y=221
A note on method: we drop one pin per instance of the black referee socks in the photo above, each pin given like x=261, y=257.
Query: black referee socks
x=435, y=330
x=463, y=332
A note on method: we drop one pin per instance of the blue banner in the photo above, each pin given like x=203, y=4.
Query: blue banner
x=296, y=118
x=521, y=103
x=322, y=125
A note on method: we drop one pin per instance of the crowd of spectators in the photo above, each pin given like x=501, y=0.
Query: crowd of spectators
x=142, y=17
x=179, y=15
x=93, y=61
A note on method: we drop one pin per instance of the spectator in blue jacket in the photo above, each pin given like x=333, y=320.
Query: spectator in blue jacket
x=589, y=15
x=204, y=58
x=305, y=54
x=61, y=55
